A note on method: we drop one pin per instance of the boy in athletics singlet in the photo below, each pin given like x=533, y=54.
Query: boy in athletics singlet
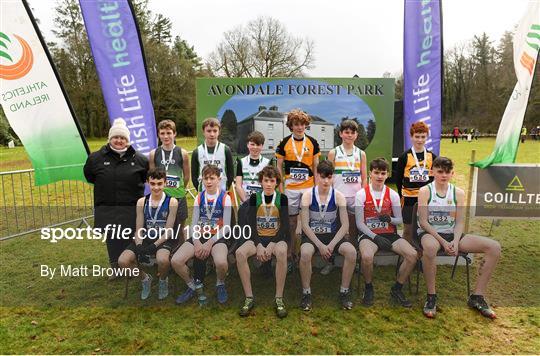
x=248, y=168
x=269, y=221
x=441, y=220
x=297, y=158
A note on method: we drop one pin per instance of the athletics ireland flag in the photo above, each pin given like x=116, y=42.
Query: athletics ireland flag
x=34, y=100
x=526, y=46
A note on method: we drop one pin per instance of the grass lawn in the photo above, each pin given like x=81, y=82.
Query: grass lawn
x=89, y=315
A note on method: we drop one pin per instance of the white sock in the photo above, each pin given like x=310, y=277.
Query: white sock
x=220, y=283
x=306, y=290
x=343, y=289
x=145, y=279
x=191, y=284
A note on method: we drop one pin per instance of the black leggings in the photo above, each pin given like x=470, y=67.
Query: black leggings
x=199, y=269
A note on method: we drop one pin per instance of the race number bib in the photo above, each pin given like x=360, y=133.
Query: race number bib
x=299, y=174
x=376, y=224
x=416, y=177
x=350, y=177
x=321, y=228
x=440, y=218
x=270, y=224
x=213, y=223
x=172, y=182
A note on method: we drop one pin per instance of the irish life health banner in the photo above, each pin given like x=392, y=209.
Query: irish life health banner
x=117, y=50
x=422, y=69
x=34, y=101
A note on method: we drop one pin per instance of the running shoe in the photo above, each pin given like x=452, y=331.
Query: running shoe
x=163, y=290
x=367, y=298
x=305, y=304
x=187, y=295
x=146, y=287
x=398, y=297
x=479, y=303
x=249, y=303
x=281, y=312
x=345, y=300
x=430, y=308
x=221, y=293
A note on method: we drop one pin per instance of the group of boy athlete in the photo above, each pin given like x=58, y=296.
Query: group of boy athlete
x=305, y=205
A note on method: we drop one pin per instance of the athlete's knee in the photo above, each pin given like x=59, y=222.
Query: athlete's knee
x=494, y=248
x=280, y=252
x=125, y=260
x=178, y=261
x=221, y=263
x=241, y=255
x=162, y=259
x=306, y=255
x=411, y=256
x=367, y=257
x=349, y=253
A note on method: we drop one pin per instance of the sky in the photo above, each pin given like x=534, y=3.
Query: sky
x=362, y=37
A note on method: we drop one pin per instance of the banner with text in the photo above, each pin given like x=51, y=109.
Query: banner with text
x=34, y=100
x=422, y=69
x=117, y=49
x=507, y=191
x=244, y=105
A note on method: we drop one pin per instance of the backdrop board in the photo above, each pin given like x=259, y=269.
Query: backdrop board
x=510, y=191
x=247, y=104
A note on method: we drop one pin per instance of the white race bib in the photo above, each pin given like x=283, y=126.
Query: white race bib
x=375, y=224
x=172, y=182
x=416, y=177
x=350, y=177
x=299, y=174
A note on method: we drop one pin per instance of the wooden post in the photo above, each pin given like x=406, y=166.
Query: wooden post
x=469, y=193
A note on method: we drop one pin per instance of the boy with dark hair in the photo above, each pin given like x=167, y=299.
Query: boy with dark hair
x=413, y=172
x=378, y=212
x=210, y=225
x=248, y=168
x=175, y=161
x=350, y=175
x=211, y=151
x=441, y=220
x=325, y=224
x=297, y=158
x=269, y=220
x=156, y=214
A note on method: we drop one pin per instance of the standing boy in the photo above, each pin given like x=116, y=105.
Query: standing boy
x=156, y=214
x=325, y=223
x=378, y=212
x=297, y=157
x=174, y=160
x=213, y=152
x=208, y=235
x=441, y=219
x=248, y=168
x=413, y=172
x=269, y=221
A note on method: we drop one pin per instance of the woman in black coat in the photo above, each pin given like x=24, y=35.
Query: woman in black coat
x=118, y=173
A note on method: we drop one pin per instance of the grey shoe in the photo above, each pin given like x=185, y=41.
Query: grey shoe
x=163, y=291
x=146, y=287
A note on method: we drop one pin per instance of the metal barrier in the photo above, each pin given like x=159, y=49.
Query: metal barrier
x=26, y=208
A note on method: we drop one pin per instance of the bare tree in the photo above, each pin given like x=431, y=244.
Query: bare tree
x=262, y=48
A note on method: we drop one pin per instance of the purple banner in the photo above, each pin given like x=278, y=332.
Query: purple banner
x=118, y=54
x=422, y=69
